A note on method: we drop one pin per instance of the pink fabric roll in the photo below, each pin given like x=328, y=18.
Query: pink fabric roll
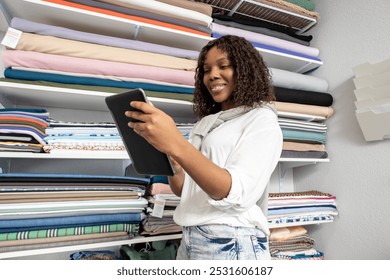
x=64, y=63
x=161, y=188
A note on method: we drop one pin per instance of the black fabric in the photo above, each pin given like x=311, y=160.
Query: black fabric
x=260, y=23
x=304, y=154
x=261, y=30
x=303, y=97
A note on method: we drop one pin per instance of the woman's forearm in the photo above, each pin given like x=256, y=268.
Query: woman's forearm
x=176, y=182
x=214, y=180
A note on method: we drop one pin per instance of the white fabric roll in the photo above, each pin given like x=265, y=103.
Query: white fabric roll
x=292, y=80
x=163, y=9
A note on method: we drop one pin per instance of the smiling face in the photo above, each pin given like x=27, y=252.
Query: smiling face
x=219, y=77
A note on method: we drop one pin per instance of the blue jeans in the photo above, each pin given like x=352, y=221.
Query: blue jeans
x=222, y=242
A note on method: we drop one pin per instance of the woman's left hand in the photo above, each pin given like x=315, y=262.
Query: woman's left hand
x=158, y=128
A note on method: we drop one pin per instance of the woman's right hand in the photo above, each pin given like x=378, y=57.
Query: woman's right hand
x=158, y=128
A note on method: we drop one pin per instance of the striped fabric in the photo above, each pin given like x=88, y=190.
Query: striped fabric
x=59, y=232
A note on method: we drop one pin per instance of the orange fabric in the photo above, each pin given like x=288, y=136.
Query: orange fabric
x=40, y=123
x=135, y=18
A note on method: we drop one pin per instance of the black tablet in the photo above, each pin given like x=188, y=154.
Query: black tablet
x=146, y=159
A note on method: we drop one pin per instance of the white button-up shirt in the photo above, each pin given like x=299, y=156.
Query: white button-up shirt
x=249, y=148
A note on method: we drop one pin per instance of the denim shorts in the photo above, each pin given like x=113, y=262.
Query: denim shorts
x=222, y=242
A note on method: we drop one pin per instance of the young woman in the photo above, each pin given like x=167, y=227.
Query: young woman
x=222, y=172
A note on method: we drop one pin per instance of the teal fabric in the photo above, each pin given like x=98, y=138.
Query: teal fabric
x=306, y=4
x=72, y=79
x=305, y=136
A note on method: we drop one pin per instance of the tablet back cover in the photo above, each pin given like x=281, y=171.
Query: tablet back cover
x=147, y=160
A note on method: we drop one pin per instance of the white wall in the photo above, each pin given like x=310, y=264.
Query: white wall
x=349, y=33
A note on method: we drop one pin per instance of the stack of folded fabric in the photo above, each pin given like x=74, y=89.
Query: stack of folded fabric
x=268, y=42
x=292, y=243
x=263, y=27
x=59, y=57
x=83, y=137
x=23, y=129
x=45, y=210
x=301, y=117
x=287, y=208
x=62, y=57
x=162, y=204
x=179, y=15
x=302, y=101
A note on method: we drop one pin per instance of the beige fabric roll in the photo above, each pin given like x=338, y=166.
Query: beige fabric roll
x=315, y=110
x=285, y=233
x=297, y=146
x=55, y=45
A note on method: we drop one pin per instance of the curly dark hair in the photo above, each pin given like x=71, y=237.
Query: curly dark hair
x=253, y=79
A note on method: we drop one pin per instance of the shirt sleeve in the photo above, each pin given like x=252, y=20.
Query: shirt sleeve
x=251, y=163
